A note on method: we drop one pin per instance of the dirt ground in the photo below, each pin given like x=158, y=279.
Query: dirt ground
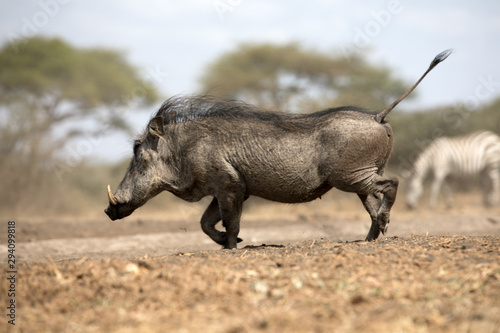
x=433, y=272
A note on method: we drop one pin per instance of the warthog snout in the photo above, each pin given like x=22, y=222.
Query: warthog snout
x=111, y=213
x=116, y=210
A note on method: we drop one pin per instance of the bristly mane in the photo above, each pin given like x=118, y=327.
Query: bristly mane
x=179, y=109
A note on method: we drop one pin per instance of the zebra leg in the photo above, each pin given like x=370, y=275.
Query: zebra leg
x=435, y=188
x=492, y=195
x=448, y=195
x=379, y=209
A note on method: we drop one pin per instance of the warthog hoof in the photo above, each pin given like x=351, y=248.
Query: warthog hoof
x=375, y=231
x=223, y=241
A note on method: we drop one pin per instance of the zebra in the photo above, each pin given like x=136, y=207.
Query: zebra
x=477, y=153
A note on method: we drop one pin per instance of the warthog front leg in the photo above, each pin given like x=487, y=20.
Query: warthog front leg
x=230, y=207
x=380, y=208
x=208, y=221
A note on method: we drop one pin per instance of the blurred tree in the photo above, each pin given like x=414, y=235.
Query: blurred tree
x=48, y=88
x=295, y=78
x=486, y=118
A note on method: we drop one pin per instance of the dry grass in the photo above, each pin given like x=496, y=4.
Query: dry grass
x=415, y=284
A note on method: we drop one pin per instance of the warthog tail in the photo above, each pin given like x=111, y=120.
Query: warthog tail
x=440, y=57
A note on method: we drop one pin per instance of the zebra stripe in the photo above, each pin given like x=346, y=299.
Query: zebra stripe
x=467, y=155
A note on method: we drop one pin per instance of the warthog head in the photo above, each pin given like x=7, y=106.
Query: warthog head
x=146, y=176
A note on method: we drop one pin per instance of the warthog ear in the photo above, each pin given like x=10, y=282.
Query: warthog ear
x=156, y=126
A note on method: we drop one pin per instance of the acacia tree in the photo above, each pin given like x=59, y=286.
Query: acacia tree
x=291, y=77
x=48, y=88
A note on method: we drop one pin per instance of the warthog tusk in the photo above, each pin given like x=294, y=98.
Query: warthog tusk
x=111, y=197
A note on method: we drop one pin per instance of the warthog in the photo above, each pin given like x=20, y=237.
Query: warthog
x=199, y=146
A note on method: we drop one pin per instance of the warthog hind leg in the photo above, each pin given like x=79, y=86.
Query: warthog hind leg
x=379, y=205
x=372, y=202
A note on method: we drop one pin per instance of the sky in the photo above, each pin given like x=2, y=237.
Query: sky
x=171, y=42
